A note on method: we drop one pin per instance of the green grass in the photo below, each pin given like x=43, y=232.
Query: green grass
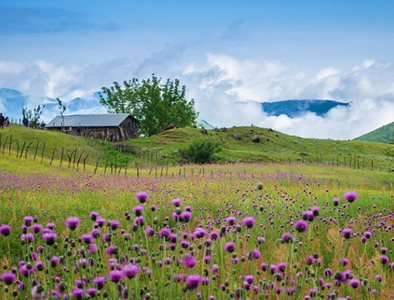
x=274, y=146
x=167, y=147
x=384, y=134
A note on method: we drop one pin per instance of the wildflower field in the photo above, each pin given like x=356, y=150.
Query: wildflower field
x=242, y=231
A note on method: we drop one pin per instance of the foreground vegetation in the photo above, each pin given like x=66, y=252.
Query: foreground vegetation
x=230, y=231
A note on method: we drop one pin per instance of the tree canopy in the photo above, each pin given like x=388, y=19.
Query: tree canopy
x=156, y=105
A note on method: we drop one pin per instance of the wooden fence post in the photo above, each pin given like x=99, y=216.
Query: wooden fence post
x=9, y=148
x=27, y=149
x=5, y=143
x=36, y=150
x=42, y=153
x=84, y=162
x=138, y=170
x=61, y=158
x=53, y=155
x=17, y=148
x=97, y=163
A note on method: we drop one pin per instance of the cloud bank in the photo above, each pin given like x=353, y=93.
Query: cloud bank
x=226, y=89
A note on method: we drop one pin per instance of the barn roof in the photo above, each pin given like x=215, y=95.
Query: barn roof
x=95, y=120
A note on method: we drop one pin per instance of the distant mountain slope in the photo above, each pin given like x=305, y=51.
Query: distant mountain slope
x=384, y=134
x=294, y=108
x=204, y=124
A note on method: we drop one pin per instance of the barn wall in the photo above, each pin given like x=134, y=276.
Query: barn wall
x=127, y=130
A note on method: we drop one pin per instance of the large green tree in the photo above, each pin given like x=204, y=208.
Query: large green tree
x=156, y=105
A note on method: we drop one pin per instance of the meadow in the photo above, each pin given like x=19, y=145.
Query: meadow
x=241, y=231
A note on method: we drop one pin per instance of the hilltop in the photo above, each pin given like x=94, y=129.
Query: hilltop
x=384, y=134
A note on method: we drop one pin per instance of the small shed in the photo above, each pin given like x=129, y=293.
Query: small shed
x=109, y=127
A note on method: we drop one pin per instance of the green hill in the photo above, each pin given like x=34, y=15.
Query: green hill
x=384, y=134
x=238, y=144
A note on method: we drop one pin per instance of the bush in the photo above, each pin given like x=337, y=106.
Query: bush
x=202, y=151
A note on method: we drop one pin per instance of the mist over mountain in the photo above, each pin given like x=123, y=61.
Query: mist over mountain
x=297, y=107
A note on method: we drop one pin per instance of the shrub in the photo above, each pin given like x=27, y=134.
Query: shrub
x=202, y=151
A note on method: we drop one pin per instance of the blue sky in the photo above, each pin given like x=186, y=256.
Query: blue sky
x=329, y=48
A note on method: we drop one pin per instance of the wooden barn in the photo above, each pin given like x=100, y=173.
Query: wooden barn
x=109, y=127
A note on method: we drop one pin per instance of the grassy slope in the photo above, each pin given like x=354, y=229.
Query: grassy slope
x=384, y=134
x=274, y=147
x=91, y=147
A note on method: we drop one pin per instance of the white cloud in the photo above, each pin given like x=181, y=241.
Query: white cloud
x=223, y=81
x=227, y=89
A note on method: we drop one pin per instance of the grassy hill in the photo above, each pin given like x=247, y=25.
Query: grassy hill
x=237, y=145
x=384, y=134
x=167, y=147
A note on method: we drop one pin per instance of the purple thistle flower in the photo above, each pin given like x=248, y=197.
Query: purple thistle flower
x=55, y=261
x=336, y=201
x=189, y=261
x=114, y=224
x=8, y=278
x=5, y=230
x=73, y=222
x=78, y=293
x=92, y=292
x=36, y=228
x=176, y=202
x=37, y=292
x=142, y=197
x=28, y=220
x=164, y=233
x=287, y=237
x=308, y=216
x=130, y=270
x=149, y=231
x=115, y=275
x=263, y=266
x=94, y=215
x=384, y=259
x=193, y=282
x=87, y=238
x=51, y=226
x=185, y=244
x=99, y=282
x=384, y=250
x=256, y=254
x=301, y=226
x=199, y=233
x=347, y=233
x=49, y=238
x=378, y=278
x=138, y=210
x=350, y=196
x=28, y=237
x=354, y=283
x=249, y=279
x=229, y=247
x=92, y=248
x=315, y=210
x=185, y=216
x=231, y=220
x=111, y=250
x=248, y=222
x=26, y=270
x=214, y=235
x=139, y=221
x=99, y=222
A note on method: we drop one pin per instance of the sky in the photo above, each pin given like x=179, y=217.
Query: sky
x=229, y=54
